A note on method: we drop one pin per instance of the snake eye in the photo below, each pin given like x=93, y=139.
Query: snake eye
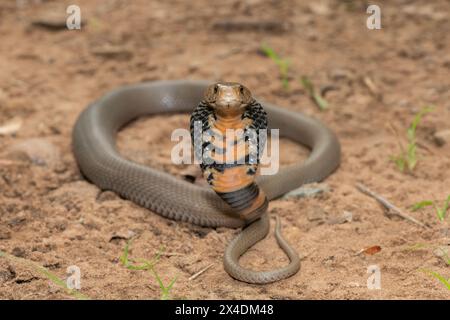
x=241, y=89
x=216, y=88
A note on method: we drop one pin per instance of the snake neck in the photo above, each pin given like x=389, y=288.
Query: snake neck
x=249, y=202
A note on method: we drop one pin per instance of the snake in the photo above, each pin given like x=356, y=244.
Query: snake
x=100, y=162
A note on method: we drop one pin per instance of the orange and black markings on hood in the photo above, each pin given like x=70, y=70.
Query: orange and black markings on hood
x=233, y=181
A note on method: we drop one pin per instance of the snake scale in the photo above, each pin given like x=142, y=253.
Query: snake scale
x=95, y=150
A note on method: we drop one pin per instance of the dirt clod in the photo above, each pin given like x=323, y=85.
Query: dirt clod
x=442, y=137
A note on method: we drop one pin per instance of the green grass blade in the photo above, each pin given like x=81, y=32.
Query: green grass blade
x=124, y=257
x=422, y=204
x=169, y=287
x=158, y=279
x=418, y=118
x=440, y=213
x=165, y=291
x=285, y=81
x=320, y=101
x=437, y=276
x=445, y=208
x=269, y=52
x=316, y=97
x=408, y=158
x=283, y=64
x=46, y=273
x=148, y=265
x=412, y=156
x=399, y=162
x=307, y=85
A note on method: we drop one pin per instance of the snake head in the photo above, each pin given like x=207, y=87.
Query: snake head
x=228, y=97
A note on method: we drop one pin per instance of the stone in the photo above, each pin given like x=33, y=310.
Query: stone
x=308, y=191
x=442, y=137
x=346, y=216
x=106, y=196
x=443, y=253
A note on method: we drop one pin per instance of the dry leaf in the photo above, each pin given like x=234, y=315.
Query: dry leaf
x=370, y=250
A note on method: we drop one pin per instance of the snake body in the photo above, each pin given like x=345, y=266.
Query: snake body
x=96, y=154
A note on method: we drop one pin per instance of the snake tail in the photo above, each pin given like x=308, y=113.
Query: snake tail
x=246, y=239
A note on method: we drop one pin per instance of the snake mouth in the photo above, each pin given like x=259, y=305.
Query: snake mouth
x=229, y=104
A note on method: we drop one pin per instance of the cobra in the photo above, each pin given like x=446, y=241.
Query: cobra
x=100, y=162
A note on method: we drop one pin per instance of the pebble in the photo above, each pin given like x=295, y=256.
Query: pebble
x=122, y=235
x=106, y=196
x=443, y=253
x=442, y=137
x=347, y=216
x=308, y=191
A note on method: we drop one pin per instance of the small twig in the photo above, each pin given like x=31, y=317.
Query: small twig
x=368, y=82
x=171, y=254
x=392, y=208
x=274, y=26
x=195, y=276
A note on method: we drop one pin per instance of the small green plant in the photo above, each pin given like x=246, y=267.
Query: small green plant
x=407, y=159
x=440, y=211
x=165, y=291
x=283, y=64
x=436, y=275
x=148, y=265
x=46, y=273
x=314, y=95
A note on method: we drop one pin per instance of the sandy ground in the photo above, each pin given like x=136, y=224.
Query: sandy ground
x=377, y=81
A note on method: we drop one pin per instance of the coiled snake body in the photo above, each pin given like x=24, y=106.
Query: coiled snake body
x=96, y=154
